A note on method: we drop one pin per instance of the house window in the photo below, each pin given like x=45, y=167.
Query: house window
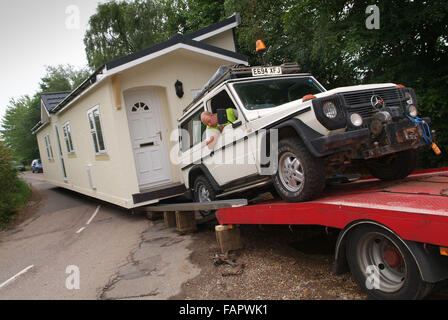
x=96, y=130
x=66, y=130
x=48, y=147
x=192, y=130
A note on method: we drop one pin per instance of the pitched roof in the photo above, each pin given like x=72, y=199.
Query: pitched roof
x=57, y=101
x=177, y=39
x=52, y=99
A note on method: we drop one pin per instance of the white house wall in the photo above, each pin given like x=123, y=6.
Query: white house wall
x=222, y=40
x=192, y=69
x=114, y=173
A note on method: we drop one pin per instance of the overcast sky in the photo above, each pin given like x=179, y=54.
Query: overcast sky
x=37, y=33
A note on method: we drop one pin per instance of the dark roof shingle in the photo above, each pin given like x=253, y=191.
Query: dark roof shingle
x=52, y=99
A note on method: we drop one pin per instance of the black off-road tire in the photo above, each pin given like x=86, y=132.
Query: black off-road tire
x=393, y=167
x=313, y=172
x=412, y=288
x=202, y=182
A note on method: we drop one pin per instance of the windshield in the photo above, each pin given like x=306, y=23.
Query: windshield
x=271, y=93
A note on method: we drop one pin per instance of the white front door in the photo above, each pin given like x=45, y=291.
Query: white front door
x=145, y=125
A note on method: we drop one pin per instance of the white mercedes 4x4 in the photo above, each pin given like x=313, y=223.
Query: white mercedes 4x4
x=290, y=131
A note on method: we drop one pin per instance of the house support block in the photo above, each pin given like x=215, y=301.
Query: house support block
x=153, y=216
x=169, y=218
x=228, y=237
x=186, y=222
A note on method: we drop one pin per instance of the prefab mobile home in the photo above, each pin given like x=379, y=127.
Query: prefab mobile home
x=111, y=137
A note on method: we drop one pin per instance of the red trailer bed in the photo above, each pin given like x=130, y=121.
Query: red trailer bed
x=415, y=208
x=394, y=235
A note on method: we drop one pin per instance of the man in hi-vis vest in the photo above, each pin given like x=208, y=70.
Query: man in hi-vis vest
x=213, y=129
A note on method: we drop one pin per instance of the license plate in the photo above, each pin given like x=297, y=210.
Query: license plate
x=265, y=71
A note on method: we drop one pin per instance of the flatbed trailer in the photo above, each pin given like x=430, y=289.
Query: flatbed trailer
x=393, y=235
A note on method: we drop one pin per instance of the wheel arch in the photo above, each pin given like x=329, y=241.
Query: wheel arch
x=298, y=128
x=432, y=267
x=198, y=170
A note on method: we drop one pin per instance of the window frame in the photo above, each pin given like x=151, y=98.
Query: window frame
x=48, y=147
x=95, y=140
x=67, y=133
x=199, y=108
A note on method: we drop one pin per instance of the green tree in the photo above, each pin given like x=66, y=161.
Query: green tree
x=184, y=16
x=119, y=28
x=62, y=78
x=23, y=113
x=330, y=39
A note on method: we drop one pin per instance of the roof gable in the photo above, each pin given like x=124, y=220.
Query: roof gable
x=52, y=99
x=177, y=39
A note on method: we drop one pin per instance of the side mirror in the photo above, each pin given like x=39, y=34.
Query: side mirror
x=222, y=117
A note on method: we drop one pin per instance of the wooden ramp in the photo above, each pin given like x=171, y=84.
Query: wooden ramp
x=185, y=216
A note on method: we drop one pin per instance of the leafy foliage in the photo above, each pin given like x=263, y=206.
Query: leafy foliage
x=184, y=16
x=14, y=192
x=330, y=40
x=121, y=27
x=23, y=113
x=62, y=78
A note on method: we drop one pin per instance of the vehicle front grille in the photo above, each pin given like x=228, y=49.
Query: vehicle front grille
x=360, y=101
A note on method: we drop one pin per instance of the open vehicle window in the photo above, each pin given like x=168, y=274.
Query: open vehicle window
x=271, y=93
x=220, y=101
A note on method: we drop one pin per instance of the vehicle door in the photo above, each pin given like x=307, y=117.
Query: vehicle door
x=230, y=158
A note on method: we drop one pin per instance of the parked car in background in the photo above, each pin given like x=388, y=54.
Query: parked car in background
x=36, y=166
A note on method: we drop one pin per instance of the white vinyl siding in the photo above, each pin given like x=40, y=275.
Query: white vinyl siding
x=66, y=130
x=96, y=130
x=48, y=147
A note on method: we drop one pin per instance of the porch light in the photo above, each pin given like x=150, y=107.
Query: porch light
x=179, y=86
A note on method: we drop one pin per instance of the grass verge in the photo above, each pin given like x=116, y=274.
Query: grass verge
x=12, y=200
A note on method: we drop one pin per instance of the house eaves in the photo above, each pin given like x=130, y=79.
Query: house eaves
x=38, y=127
x=230, y=23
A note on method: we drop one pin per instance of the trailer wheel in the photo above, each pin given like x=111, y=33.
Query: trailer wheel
x=203, y=192
x=382, y=265
x=393, y=167
x=300, y=175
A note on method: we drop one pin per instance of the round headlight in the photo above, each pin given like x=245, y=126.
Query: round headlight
x=408, y=97
x=412, y=110
x=330, y=110
x=356, y=119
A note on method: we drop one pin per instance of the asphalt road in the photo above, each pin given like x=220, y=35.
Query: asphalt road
x=75, y=247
